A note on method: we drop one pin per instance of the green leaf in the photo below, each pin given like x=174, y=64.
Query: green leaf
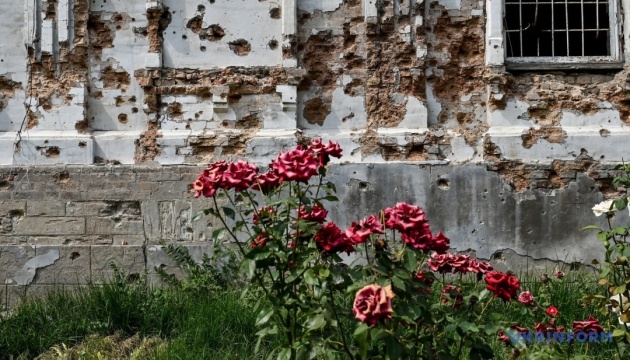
x=618, y=333
x=393, y=350
x=411, y=263
x=361, y=337
x=285, y=354
x=398, y=283
x=468, y=327
x=621, y=203
x=483, y=294
x=217, y=235
x=263, y=316
x=591, y=227
x=262, y=333
x=621, y=231
x=331, y=198
x=481, y=351
x=491, y=329
x=200, y=214
x=309, y=277
x=229, y=212
x=361, y=328
x=316, y=322
x=324, y=273
x=250, y=266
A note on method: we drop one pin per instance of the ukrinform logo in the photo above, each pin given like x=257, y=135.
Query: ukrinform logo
x=559, y=336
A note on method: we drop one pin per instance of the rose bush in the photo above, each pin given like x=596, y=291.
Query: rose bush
x=291, y=252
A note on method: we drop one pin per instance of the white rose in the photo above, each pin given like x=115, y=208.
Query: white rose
x=603, y=207
x=616, y=302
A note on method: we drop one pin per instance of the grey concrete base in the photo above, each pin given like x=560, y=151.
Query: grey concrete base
x=64, y=225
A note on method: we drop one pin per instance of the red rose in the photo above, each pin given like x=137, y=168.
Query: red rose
x=479, y=267
x=504, y=338
x=332, y=240
x=317, y=214
x=267, y=182
x=427, y=280
x=210, y=179
x=459, y=263
x=520, y=329
x=440, y=262
x=373, y=303
x=264, y=215
x=588, y=326
x=526, y=298
x=323, y=152
x=455, y=295
x=503, y=286
x=439, y=243
x=260, y=240
x=558, y=274
x=360, y=233
x=420, y=239
x=240, y=175
x=405, y=218
x=550, y=327
x=295, y=165
x=552, y=311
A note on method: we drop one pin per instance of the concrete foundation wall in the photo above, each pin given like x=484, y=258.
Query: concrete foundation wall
x=134, y=97
x=61, y=226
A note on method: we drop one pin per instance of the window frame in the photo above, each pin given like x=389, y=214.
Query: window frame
x=496, y=43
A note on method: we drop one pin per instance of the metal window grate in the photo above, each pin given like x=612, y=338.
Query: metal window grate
x=557, y=28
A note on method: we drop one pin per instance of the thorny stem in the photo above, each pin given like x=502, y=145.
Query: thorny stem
x=367, y=255
x=240, y=246
x=340, y=328
x=484, y=308
x=240, y=214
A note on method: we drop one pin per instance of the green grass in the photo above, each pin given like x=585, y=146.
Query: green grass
x=176, y=324
x=195, y=325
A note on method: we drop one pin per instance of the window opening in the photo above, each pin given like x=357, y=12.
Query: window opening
x=555, y=28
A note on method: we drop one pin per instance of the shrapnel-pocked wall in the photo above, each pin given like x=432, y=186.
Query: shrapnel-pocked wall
x=110, y=108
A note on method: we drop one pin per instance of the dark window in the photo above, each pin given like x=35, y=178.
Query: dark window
x=557, y=28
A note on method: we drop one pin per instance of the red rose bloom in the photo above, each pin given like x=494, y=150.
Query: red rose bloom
x=323, y=152
x=455, y=294
x=264, y=214
x=240, y=175
x=317, y=214
x=332, y=240
x=295, y=165
x=439, y=243
x=420, y=238
x=504, y=338
x=503, y=286
x=360, y=233
x=520, y=329
x=404, y=218
x=526, y=298
x=479, y=267
x=373, y=303
x=267, y=182
x=588, y=326
x=210, y=179
x=427, y=280
x=260, y=240
x=552, y=311
x=441, y=262
x=550, y=327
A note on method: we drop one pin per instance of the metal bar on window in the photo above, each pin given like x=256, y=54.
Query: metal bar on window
x=553, y=40
x=520, y=25
x=582, y=16
x=537, y=24
x=566, y=24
